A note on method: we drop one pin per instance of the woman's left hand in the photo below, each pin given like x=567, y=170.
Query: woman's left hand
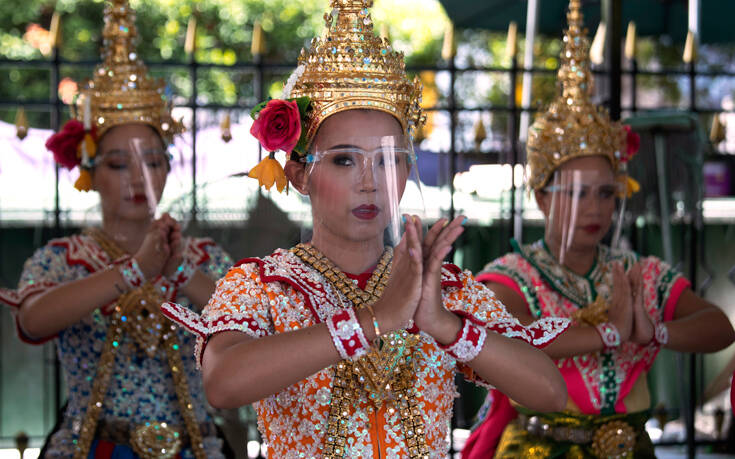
x=175, y=241
x=643, y=328
x=431, y=316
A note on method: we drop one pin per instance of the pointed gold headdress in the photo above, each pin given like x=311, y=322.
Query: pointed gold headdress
x=573, y=126
x=120, y=92
x=352, y=68
x=348, y=68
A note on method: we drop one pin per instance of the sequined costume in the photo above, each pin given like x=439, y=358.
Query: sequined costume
x=142, y=389
x=604, y=383
x=280, y=293
x=608, y=392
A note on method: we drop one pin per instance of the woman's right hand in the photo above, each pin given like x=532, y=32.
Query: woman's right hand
x=155, y=250
x=398, y=303
x=620, y=312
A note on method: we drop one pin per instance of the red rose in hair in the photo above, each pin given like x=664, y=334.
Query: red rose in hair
x=64, y=144
x=632, y=143
x=278, y=125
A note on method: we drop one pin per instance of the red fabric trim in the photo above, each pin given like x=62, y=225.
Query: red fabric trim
x=680, y=285
x=577, y=389
x=502, y=280
x=453, y=280
x=14, y=298
x=627, y=385
x=363, y=278
x=465, y=317
x=484, y=440
x=104, y=449
x=252, y=324
x=352, y=344
x=267, y=279
x=186, y=318
x=71, y=258
x=201, y=245
x=27, y=339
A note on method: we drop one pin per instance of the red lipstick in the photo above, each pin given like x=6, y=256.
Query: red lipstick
x=366, y=212
x=592, y=229
x=139, y=199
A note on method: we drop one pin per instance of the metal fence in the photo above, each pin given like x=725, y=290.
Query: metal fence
x=508, y=152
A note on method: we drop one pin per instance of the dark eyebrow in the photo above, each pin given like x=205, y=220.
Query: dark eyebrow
x=344, y=145
x=115, y=151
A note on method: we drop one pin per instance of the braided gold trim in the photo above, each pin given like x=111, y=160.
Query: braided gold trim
x=387, y=368
x=105, y=365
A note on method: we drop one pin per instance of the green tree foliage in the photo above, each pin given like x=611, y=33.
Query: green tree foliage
x=224, y=36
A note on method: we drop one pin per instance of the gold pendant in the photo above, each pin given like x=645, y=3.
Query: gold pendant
x=614, y=440
x=376, y=369
x=155, y=440
x=144, y=326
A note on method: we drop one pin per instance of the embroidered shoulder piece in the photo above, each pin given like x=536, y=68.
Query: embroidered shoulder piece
x=83, y=250
x=518, y=270
x=196, y=250
x=80, y=250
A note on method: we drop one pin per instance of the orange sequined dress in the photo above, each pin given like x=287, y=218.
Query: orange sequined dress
x=280, y=293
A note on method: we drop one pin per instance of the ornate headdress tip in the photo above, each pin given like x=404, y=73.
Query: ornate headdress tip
x=121, y=90
x=572, y=126
x=350, y=67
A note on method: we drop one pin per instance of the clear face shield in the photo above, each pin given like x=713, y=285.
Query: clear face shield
x=582, y=208
x=130, y=173
x=359, y=188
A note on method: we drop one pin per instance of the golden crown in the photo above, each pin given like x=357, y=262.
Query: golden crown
x=351, y=68
x=121, y=92
x=572, y=126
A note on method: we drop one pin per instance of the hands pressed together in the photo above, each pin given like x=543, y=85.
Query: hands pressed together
x=627, y=309
x=161, y=252
x=413, y=294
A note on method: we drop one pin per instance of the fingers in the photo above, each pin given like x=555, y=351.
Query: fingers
x=620, y=281
x=413, y=242
x=451, y=232
x=433, y=234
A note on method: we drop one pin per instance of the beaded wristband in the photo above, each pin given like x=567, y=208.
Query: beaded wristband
x=609, y=334
x=661, y=334
x=183, y=274
x=469, y=341
x=131, y=273
x=347, y=334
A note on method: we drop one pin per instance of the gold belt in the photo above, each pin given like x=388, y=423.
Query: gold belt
x=151, y=439
x=613, y=439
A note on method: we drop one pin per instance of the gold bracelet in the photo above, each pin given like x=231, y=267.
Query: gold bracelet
x=375, y=321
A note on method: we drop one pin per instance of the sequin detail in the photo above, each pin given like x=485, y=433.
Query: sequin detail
x=280, y=293
x=141, y=388
x=552, y=291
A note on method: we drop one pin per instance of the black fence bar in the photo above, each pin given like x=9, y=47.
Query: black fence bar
x=259, y=66
x=452, y=108
x=513, y=139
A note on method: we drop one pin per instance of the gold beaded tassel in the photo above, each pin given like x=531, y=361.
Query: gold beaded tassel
x=126, y=303
x=105, y=366
x=175, y=363
x=387, y=368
